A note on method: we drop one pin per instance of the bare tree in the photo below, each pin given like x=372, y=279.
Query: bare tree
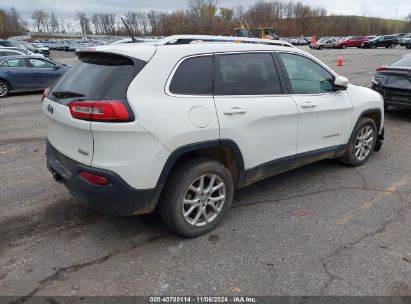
x=54, y=24
x=84, y=22
x=11, y=23
x=38, y=17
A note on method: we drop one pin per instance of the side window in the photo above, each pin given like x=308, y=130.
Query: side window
x=246, y=74
x=306, y=76
x=194, y=76
x=38, y=63
x=4, y=64
x=16, y=63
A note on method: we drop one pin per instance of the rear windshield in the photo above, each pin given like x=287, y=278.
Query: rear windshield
x=97, y=76
x=402, y=62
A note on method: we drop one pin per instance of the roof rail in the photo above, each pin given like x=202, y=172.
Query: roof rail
x=187, y=39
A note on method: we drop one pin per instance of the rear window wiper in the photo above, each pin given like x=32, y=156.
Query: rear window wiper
x=66, y=94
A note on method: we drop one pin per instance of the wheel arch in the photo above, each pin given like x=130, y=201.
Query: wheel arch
x=375, y=114
x=224, y=151
x=8, y=82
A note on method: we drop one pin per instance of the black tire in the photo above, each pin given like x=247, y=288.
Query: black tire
x=321, y=47
x=393, y=45
x=177, y=189
x=4, y=89
x=373, y=46
x=344, y=46
x=350, y=158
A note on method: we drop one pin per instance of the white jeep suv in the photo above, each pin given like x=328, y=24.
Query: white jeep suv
x=181, y=123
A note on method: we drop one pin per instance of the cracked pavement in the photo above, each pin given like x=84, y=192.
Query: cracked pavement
x=323, y=229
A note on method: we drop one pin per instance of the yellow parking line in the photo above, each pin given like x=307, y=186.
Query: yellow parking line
x=368, y=204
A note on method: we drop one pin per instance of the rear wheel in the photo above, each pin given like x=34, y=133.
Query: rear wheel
x=361, y=144
x=4, y=89
x=373, y=46
x=321, y=47
x=197, y=195
x=344, y=46
x=393, y=45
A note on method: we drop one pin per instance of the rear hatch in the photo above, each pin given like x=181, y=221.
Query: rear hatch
x=397, y=75
x=397, y=78
x=98, y=83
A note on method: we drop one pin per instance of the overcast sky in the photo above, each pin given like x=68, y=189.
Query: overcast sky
x=66, y=8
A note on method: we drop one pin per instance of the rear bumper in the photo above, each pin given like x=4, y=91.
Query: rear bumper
x=394, y=97
x=117, y=198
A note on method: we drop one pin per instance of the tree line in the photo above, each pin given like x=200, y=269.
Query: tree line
x=207, y=17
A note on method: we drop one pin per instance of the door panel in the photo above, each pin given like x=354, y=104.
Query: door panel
x=252, y=110
x=265, y=128
x=324, y=120
x=44, y=72
x=19, y=74
x=324, y=115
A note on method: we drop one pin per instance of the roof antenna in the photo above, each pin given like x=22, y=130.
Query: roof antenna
x=133, y=39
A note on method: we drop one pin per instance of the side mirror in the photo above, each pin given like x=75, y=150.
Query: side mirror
x=340, y=83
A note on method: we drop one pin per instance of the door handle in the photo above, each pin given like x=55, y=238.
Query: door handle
x=235, y=110
x=308, y=104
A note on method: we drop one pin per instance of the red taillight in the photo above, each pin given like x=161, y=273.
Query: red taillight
x=95, y=179
x=45, y=93
x=99, y=110
x=381, y=68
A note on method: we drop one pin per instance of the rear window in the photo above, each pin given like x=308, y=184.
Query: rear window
x=402, y=62
x=97, y=76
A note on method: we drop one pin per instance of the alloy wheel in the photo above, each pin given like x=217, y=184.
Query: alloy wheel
x=204, y=199
x=3, y=89
x=364, y=142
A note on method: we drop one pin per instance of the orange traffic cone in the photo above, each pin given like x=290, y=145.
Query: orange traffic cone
x=340, y=61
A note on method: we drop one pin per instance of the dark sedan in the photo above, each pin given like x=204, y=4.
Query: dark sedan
x=393, y=82
x=390, y=41
x=28, y=73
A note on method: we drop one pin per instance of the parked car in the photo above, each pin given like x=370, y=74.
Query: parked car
x=117, y=152
x=7, y=43
x=389, y=41
x=21, y=50
x=393, y=82
x=404, y=39
x=28, y=73
x=39, y=48
x=324, y=43
x=10, y=52
x=352, y=41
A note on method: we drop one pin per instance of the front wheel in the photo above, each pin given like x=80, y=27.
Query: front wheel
x=361, y=144
x=196, y=196
x=4, y=89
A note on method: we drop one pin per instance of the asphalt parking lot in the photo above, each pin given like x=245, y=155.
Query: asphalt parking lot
x=324, y=229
